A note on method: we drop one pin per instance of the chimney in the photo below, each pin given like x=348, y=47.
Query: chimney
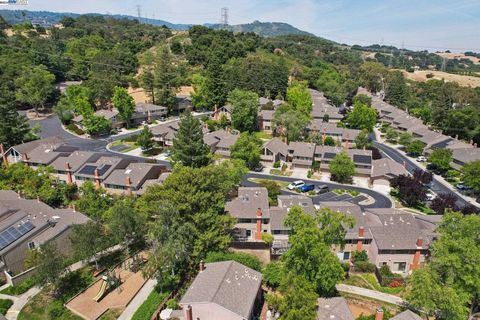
x=285, y=140
x=201, y=266
x=419, y=242
x=38, y=199
x=4, y=156
x=361, y=234
x=149, y=116
x=346, y=142
x=379, y=314
x=129, y=185
x=188, y=313
x=97, y=179
x=73, y=207
x=69, y=173
x=25, y=158
x=324, y=135
x=258, y=233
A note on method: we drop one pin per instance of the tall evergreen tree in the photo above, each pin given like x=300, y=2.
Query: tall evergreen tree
x=188, y=145
x=14, y=128
x=215, y=86
x=124, y=103
x=166, y=80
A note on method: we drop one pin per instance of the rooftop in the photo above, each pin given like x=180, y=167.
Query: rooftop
x=334, y=308
x=248, y=201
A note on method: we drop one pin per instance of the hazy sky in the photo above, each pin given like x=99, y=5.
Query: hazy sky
x=417, y=24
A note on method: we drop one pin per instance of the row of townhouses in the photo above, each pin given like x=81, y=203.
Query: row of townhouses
x=389, y=236
x=400, y=120
x=70, y=165
x=27, y=224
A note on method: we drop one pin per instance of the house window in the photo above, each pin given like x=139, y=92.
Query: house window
x=399, y=266
x=31, y=245
x=346, y=255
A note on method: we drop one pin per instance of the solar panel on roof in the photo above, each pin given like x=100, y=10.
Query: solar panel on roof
x=329, y=155
x=88, y=169
x=13, y=233
x=361, y=158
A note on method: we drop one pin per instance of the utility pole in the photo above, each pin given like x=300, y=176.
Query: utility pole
x=139, y=13
x=224, y=17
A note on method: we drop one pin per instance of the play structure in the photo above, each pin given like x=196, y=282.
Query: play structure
x=111, y=281
x=114, y=289
x=136, y=264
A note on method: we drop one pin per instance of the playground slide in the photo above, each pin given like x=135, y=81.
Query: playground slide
x=101, y=292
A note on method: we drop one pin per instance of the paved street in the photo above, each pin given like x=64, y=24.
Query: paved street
x=410, y=165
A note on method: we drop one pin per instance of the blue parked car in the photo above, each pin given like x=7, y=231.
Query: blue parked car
x=307, y=187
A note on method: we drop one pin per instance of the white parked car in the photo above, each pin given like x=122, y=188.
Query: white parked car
x=431, y=196
x=421, y=159
x=295, y=184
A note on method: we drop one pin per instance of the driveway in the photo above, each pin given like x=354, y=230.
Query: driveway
x=381, y=201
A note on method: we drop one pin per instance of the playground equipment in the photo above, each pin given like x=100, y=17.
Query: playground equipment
x=110, y=281
x=136, y=264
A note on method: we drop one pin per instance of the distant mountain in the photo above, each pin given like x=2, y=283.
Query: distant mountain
x=265, y=29
x=47, y=18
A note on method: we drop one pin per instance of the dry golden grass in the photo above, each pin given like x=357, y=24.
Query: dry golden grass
x=458, y=56
x=421, y=75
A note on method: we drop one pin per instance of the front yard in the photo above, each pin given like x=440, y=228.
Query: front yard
x=369, y=281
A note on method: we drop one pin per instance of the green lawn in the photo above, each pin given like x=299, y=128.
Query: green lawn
x=263, y=135
x=369, y=281
x=44, y=306
x=5, y=304
x=279, y=172
x=148, y=307
x=19, y=289
x=283, y=184
x=353, y=193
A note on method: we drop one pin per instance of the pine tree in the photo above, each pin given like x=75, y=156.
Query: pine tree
x=215, y=86
x=188, y=146
x=14, y=128
x=166, y=79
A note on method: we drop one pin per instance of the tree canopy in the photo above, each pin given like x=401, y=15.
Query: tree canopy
x=244, y=110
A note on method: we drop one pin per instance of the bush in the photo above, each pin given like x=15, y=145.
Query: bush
x=429, y=75
x=309, y=174
x=273, y=274
x=364, y=266
x=148, y=307
x=243, y=258
x=359, y=256
x=173, y=304
x=284, y=167
x=5, y=304
x=276, y=164
x=267, y=238
x=75, y=129
x=22, y=287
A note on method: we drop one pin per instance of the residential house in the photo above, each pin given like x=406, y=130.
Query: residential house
x=131, y=179
x=464, y=156
x=151, y=182
x=266, y=103
x=63, y=86
x=99, y=170
x=274, y=150
x=224, y=290
x=301, y=153
x=406, y=315
x=183, y=102
x=65, y=166
x=225, y=111
x=317, y=126
x=265, y=118
x=251, y=209
x=335, y=308
x=220, y=141
x=165, y=132
x=361, y=158
x=27, y=224
x=17, y=153
x=109, y=114
x=45, y=154
x=385, y=169
x=321, y=108
x=147, y=112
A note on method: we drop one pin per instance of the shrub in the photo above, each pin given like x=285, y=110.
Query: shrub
x=273, y=274
x=267, y=238
x=75, y=129
x=309, y=174
x=276, y=164
x=5, y=304
x=148, y=307
x=429, y=75
x=359, y=256
x=173, y=304
x=243, y=258
x=284, y=167
x=364, y=266
x=395, y=283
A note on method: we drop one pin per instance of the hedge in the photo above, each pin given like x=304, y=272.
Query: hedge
x=149, y=306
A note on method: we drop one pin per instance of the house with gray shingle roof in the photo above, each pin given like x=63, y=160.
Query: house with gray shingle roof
x=301, y=153
x=27, y=224
x=45, y=154
x=17, y=153
x=274, y=150
x=67, y=165
x=361, y=158
x=148, y=112
x=319, y=127
x=131, y=179
x=224, y=290
x=406, y=315
x=99, y=170
x=321, y=107
x=335, y=308
x=385, y=169
x=265, y=118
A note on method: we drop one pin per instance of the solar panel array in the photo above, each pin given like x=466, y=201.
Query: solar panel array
x=357, y=158
x=13, y=233
x=90, y=169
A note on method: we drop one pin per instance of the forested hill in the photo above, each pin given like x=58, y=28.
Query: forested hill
x=265, y=29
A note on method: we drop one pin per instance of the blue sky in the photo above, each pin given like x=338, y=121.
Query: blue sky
x=417, y=24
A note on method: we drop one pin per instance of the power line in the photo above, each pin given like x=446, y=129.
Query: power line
x=224, y=17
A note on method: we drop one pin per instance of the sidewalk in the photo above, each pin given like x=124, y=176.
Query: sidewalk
x=141, y=296
x=370, y=294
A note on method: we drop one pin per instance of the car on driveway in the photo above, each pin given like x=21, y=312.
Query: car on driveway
x=258, y=168
x=320, y=189
x=421, y=159
x=307, y=188
x=295, y=184
x=462, y=187
x=431, y=196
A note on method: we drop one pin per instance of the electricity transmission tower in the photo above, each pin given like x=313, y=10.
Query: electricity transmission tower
x=139, y=13
x=224, y=17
